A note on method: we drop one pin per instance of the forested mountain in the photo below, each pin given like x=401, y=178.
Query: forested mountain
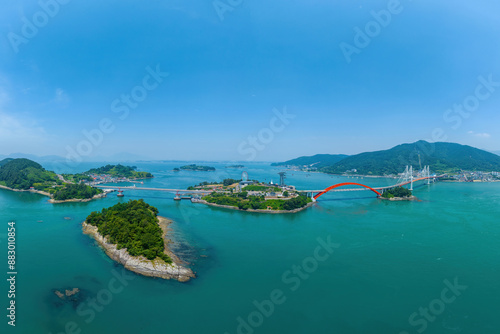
x=441, y=157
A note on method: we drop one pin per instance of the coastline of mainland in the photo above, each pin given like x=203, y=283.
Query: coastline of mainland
x=53, y=201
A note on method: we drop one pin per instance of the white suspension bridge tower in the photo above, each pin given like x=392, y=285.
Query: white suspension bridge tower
x=408, y=177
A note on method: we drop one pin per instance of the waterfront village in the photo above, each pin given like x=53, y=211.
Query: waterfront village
x=460, y=176
x=106, y=178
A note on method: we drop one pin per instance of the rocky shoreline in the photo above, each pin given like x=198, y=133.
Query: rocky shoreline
x=253, y=210
x=411, y=198
x=77, y=200
x=140, y=264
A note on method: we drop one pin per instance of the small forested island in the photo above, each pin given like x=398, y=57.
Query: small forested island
x=194, y=167
x=398, y=194
x=119, y=171
x=252, y=196
x=133, y=234
x=235, y=166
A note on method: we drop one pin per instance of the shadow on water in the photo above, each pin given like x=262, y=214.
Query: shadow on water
x=149, y=197
x=344, y=199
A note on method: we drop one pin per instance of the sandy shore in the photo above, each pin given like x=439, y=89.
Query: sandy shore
x=76, y=200
x=53, y=201
x=29, y=190
x=253, y=210
x=140, y=264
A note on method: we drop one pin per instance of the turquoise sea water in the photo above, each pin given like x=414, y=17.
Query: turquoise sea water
x=389, y=261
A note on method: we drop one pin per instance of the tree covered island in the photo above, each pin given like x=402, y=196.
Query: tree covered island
x=118, y=172
x=252, y=196
x=133, y=234
x=194, y=167
x=398, y=194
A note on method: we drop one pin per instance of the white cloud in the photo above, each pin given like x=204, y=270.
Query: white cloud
x=18, y=133
x=13, y=129
x=61, y=96
x=479, y=134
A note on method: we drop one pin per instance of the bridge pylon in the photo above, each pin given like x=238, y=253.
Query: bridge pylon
x=411, y=178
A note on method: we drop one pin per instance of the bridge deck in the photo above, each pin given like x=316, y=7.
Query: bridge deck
x=308, y=191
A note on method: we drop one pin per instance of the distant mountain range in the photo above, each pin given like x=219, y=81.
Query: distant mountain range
x=119, y=157
x=441, y=157
x=318, y=160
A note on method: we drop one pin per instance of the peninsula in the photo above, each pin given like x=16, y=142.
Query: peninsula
x=134, y=235
x=27, y=175
x=444, y=158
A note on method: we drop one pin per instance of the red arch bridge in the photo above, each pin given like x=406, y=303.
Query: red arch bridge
x=341, y=187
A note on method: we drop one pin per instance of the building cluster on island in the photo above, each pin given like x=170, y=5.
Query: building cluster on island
x=245, y=194
x=106, y=178
x=251, y=187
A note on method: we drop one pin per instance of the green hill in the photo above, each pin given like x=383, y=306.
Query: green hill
x=24, y=173
x=119, y=171
x=318, y=160
x=441, y=157
x=4, y=161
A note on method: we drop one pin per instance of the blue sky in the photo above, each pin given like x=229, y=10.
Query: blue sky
x=226, y=76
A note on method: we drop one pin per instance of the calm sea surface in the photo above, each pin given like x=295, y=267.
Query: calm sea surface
x=351, y=264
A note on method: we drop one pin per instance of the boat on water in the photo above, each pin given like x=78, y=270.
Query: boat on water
x=120, y=193
x=177, y=197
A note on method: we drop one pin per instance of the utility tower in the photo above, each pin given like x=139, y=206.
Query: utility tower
x=282, y=178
